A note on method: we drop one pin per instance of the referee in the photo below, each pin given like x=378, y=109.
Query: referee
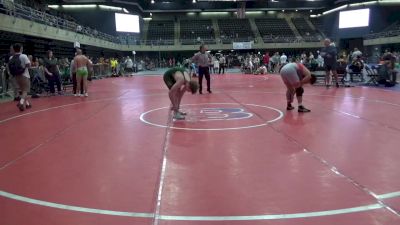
x=203, y=59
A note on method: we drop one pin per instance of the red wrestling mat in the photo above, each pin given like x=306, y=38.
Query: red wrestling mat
x=117, y=157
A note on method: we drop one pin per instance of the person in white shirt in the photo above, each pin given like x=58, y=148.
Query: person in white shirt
x=222, y=62
x=283, y=59
x=202, y=59
x=256, y=61
x=129, y=65
x=216, y=65
x=356, y=53
x=320, y=61
x=19, y=65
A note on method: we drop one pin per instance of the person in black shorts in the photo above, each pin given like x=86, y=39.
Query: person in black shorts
x=178, y=82
x=329, y=53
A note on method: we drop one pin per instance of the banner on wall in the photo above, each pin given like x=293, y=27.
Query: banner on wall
x=77, y=44
x=243, y=45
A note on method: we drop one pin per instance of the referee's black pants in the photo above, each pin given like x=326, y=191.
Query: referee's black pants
x=204, y=71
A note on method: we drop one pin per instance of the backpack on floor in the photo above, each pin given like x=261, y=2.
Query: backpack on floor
x=15, y=66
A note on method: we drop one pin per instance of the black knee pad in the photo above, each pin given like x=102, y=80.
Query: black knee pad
x=299, y=91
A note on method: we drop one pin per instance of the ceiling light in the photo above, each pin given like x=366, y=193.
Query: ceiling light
x=110, y=7
x=335, y=9
x=152, y=1
x=194, y=1
x=78, y=6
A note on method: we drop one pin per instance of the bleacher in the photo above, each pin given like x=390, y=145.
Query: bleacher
x=235, y=30
x=319, y=25
x=305, y=30
x=275, y=30
x=161, y=32
x=390, y=31
x=196, y=31
x=25, y=12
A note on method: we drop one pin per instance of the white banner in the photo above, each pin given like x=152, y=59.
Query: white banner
x=243, y=45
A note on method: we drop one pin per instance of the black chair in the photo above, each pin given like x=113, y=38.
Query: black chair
x=373, y=75
x=341, y=71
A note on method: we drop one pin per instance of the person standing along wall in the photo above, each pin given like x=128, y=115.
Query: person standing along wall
x=52, y=72
x=329, y=53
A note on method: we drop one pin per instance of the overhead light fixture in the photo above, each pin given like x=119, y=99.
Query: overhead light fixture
x=297, y=10
x=214, y=13
x=389, y=1
x=151, y=14
x=254, y=12
x=283, y=10
x=194, y=1
x=125, y=10
x=110, y=7
x=310, y=10
x=335, y=9
x=53, y=6
x=152, y=1
x=363, y=3
x=78, y=6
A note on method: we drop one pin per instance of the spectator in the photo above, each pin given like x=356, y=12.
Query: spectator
x=52, y=72
x=216, y=65
x=283, y=59
x=329, y=53
x=266, y=60
x=256, y=61
x=356, y=53
x=222, y=62
x=18, y=67
x=129, y=65
x=389, y=64
x=10, y=78
x=320, y=60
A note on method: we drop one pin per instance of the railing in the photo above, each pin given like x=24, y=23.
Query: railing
x=28, y=13
x=391, y=33
x=290, y=39
x=101, y=70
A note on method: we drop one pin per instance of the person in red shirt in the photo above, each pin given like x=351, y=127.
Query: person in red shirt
x=266, y=60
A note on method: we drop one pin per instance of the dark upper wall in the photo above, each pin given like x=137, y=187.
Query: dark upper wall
x=380, y=18
x=101, y=20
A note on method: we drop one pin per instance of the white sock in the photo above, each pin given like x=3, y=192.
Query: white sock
x=21, y=101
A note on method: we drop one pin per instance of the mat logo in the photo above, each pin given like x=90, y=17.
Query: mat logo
x=208, y=114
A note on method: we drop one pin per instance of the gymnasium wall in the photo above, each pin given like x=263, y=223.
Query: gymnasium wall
x=380, y=18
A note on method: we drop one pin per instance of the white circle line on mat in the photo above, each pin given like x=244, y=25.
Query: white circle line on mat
x=143, y=119
x=200, y=218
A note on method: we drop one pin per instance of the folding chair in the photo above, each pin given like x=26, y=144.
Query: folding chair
x=372, y=74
